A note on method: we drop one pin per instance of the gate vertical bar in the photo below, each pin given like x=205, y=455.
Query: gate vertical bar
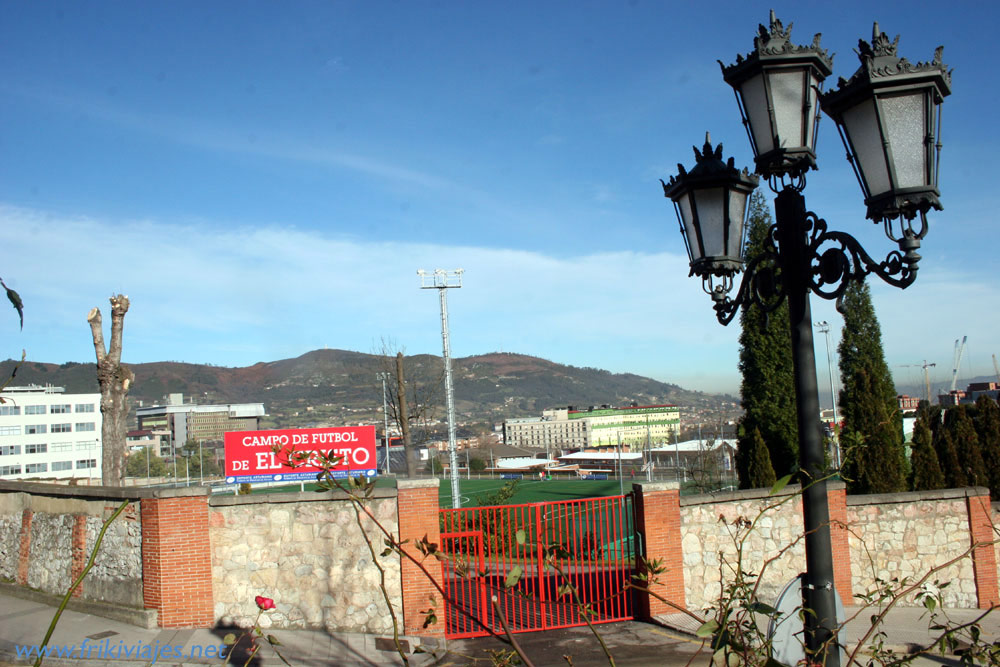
x=540, y=573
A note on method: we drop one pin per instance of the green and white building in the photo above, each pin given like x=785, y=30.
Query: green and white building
x=596, y=428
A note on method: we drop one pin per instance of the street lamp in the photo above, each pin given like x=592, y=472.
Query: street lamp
x=888, y=116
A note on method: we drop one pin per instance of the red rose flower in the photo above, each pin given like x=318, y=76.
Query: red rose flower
x=264, y=603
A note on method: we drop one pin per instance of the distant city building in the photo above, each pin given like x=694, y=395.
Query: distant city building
x=972, y=392
x=47, y=433
x=604, y=427
x=158, y=441
x=200, y=423
x=907, y=403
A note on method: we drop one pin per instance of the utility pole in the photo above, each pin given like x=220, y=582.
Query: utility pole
x=442, y=281
x=385, y=419
x=824, y=328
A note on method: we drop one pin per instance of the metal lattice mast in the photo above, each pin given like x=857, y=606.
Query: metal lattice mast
x=442, y=280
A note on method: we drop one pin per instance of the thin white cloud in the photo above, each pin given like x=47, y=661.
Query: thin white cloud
x=243, y=295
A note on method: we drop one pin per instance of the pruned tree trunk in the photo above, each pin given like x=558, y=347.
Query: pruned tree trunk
x=404, y=421
x=114, y=380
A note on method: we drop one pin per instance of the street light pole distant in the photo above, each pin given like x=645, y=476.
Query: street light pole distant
x=442, y=281
x=824, y=328
x=385, y=419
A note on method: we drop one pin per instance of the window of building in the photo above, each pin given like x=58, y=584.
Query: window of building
x=84, y=407
x=61, y=465
x=9, y=410
x=35, y=429
x=34, y=409
x=36, y=467
x=62, y=447
x=88, y=444
x=85, y=426
x=36, y=448
x=10, y=450
x=10, y=430
x=86, y=463
x=61, y=409
x=62, y=428
x=10, y=470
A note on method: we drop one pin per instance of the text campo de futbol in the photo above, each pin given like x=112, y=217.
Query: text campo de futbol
x=351, y=455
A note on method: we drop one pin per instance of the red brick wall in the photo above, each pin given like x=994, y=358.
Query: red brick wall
x=177, y=561
x=658, y=522
x=837, y=502
x=24, y=547
x=418, y=518
x=984, y=559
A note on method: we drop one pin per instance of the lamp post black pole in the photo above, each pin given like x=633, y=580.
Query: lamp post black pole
x=794, y=256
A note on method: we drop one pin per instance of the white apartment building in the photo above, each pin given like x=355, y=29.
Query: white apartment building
x=47, y=433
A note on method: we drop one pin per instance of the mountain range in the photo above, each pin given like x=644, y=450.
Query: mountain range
x=342, y=386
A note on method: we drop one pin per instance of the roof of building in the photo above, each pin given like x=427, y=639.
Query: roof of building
x=601, y=456
x=696, y=446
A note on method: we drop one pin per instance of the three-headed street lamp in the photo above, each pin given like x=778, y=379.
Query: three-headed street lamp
x=888, y=116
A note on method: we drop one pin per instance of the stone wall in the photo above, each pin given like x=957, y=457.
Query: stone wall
x=306, y=552
x=715, y=537
x=906, y=535
x=11, y=505
x=61, y=530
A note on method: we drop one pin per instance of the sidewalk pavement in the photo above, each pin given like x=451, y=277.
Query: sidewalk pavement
x=24, y=622
x=907, y=629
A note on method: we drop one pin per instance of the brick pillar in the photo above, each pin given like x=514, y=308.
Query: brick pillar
x=984, y=560
x=658, y=523
x=836, y=497
x=24, y=547
x=177, y=561
x=80, y=555
x=417, y=504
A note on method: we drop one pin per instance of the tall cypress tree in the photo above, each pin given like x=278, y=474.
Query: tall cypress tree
x=868, y=401
x=987, y=420
x=963, y=433
x=768, y=387
x=925, y=468
x=944, y=445
x=760, y=472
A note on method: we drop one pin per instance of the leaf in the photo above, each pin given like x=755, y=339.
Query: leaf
x=273, y=641
x=930, y=603
x=780, y=484
x=15, y=300
x=521, y=536
x=513, y=577
x=707, y=629
x=761, y=608
x=229, y=639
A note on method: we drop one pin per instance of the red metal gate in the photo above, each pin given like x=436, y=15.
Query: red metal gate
x=557, y=548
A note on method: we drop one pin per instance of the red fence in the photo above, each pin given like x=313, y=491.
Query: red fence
x=540, y=565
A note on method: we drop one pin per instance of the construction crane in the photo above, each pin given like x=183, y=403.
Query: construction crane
x=996, y=368
x=927, y=377
x=959, y=349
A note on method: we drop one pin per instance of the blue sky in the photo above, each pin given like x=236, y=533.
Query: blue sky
x=264, y=179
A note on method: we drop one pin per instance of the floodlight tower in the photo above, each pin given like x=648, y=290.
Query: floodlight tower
x=442, y=281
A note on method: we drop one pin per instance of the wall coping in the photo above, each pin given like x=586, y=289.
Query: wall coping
x=652, y=487
x=418, y=483
x=228, y=500
x=917, y=496
x=113, y=492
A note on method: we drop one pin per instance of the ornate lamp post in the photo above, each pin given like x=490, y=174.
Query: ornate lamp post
x=888, y=115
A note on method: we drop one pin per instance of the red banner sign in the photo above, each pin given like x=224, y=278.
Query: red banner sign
x=263, y=456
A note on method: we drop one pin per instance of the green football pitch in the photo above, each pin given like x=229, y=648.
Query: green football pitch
x=475, y=491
